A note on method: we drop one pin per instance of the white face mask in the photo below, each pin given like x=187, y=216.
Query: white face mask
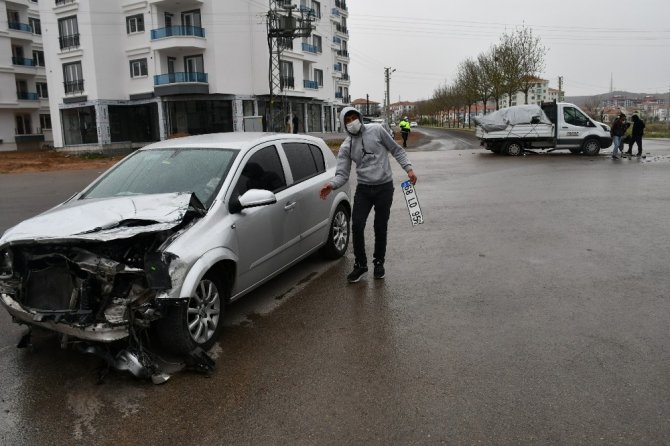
x=354, y=127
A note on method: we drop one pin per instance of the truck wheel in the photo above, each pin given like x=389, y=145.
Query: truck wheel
x=575, y=151
x=513, y=148
x=591, y=147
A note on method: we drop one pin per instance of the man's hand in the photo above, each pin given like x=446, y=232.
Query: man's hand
x=325, y=191
x=411, y=175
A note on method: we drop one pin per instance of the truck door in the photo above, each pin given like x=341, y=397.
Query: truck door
x=572, y=127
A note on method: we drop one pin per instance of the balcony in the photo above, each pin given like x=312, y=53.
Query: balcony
x=311, y=85
x=27, y=96
x=308, y=12
x=343, y=53
x=286, y=82
x=345, y=77
x=74, y=87
x=69, y=41
x=308, y=48
x=64, y=2
x=335, y=12
x=341, y=29
x=191, y=38
x=180, y=78
x=338, y=95
x=337, y=67
x=337, y=40
x=171, y=31
x=18, y=26
x=23, y=61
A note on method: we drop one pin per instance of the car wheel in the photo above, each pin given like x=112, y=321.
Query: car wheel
x=575, y=151
x=196, y=323
x=338, y=236
x=514, y=148
x=591, y=147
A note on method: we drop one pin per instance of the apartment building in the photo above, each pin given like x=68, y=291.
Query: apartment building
x=127, y=71
x=539, y=92
x=25, y=122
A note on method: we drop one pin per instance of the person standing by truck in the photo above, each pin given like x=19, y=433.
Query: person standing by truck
x=618, y=130
x=404, y=130
x=636, y=136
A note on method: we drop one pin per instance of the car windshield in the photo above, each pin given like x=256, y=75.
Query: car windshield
x=200, y=171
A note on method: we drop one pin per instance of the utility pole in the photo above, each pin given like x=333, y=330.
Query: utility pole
x=367, y=104
x=387, y=76
x=282, y=27
x=560, y=88
x=667, y=110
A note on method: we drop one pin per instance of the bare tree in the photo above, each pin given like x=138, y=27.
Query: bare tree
x=508, y=59
x=489, y=64
x=530, y=56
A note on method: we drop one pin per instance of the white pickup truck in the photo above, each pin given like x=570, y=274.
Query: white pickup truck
x=552, y=126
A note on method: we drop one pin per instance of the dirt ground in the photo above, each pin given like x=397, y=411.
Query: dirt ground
x=44, y=161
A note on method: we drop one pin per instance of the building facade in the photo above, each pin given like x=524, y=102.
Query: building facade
x=25, y=122
x=130, y=71
x=539, y=92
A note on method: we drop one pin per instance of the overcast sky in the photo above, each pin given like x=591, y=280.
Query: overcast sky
x=589, y=42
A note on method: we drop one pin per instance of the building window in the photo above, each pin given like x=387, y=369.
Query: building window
x=316, y=6
x=68, y=32
x=45, y=121
x=316, y=41
x=135, y=24
x=286, y=77
x=35, y=25
x=38, y=58
x=318, y=77
x=42, y=90
x=138, y=68
x=73, y=79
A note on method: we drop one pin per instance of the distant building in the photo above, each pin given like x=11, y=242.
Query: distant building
x=366, y=107
x=25, y=121
x=539, y=92
x=401, y=109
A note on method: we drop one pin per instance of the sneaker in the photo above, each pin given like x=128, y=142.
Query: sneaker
x=355, y=275
x=379, y=272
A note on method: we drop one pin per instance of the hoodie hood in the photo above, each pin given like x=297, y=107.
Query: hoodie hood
x=346, y=110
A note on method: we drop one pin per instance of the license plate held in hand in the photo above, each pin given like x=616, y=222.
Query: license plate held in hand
x=412, y=201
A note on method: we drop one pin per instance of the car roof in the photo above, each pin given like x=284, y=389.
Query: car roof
x=229, y=140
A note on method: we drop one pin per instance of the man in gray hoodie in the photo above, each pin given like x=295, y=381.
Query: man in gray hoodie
x=368, y=146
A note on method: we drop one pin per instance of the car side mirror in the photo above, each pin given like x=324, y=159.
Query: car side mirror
x=251, y=199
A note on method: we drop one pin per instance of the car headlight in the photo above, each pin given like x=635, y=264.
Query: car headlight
x=6, y=262
x=605, y=127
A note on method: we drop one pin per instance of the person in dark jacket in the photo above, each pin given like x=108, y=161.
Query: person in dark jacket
x=636, y=136
x=617, y=131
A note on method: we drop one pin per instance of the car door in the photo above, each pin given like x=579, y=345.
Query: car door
x=307, y=170
x=264, y=234
x=572, y=127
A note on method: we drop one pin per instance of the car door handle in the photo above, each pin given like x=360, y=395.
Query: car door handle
x=290, y=205
x=564, y=127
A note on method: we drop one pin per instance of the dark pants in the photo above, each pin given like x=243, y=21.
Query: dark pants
x=635, y=139
x=380, y=196
x=404, y=138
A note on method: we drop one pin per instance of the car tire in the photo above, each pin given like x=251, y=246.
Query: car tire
x=591, y=147
x=576, y=151
x=196, y=323
x=513, y=148
x=338, y=234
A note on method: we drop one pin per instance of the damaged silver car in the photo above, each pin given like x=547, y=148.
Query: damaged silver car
x=152, y=251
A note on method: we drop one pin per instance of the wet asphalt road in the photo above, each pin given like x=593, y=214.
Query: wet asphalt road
x=532, y=307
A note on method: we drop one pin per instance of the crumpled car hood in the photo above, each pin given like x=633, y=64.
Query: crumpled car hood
x=105, y=219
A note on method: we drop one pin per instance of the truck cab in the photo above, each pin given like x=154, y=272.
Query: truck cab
x=573, y=127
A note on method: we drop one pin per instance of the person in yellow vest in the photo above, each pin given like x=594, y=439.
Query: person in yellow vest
x=404, y=130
